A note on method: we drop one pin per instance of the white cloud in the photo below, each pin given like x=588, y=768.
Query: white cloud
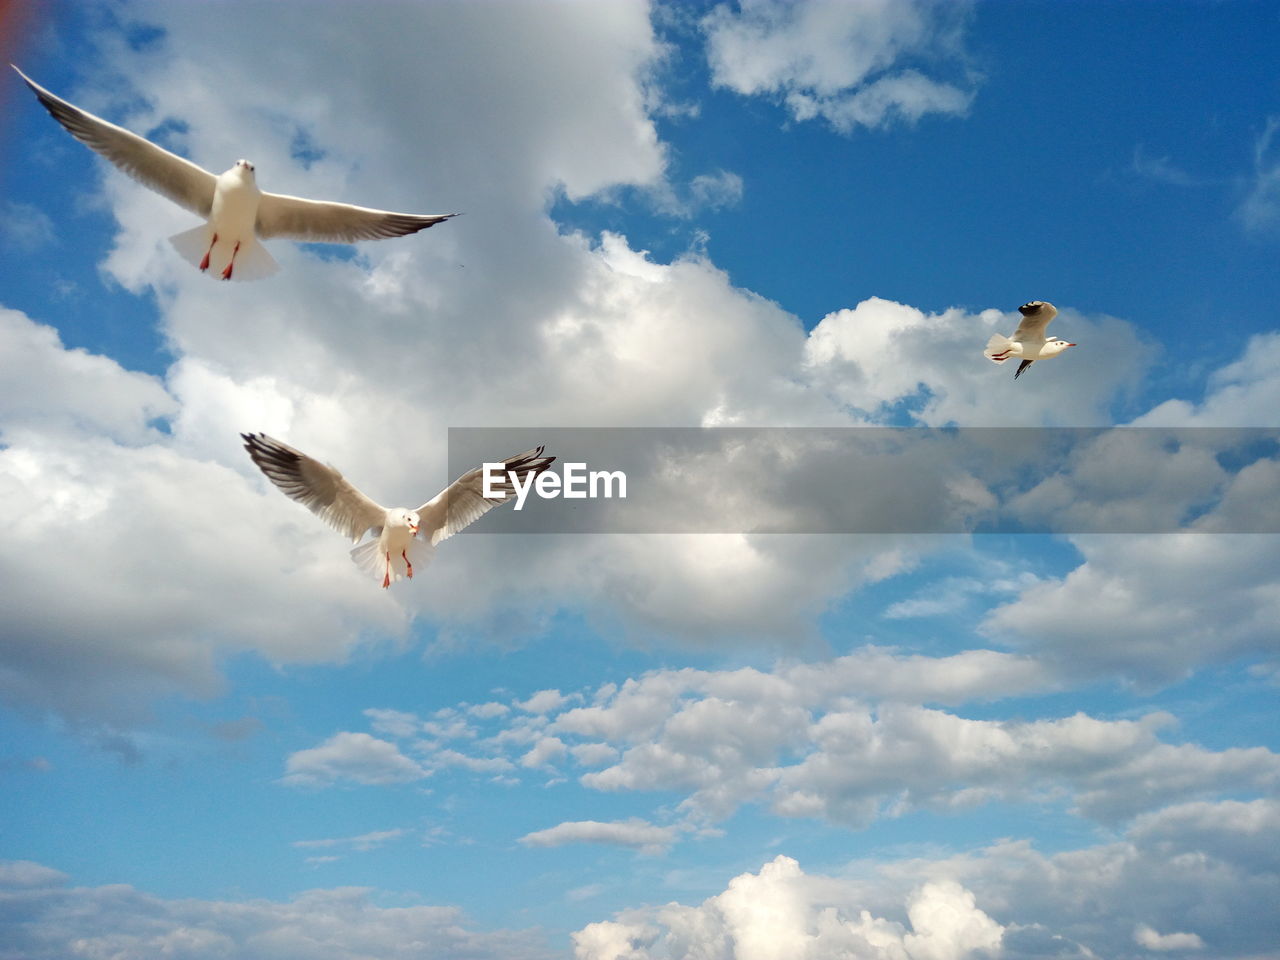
x=364, y=842
x=488, y=711
x=1144, y=936
x=1151, y=608
x=17, y=874
x=844, y=62
x=544, y=701
x=1213, y=891
x=1241, y=394
x=452, y=758
x=25, y=226
x=1084, y=902
x=544, y=751
x=638, y=834
x=343, y=923
x=849, y=741
x=394, y=723
x=1261, y=206
x=781, y=913
x=50, y=390
x=351, y=756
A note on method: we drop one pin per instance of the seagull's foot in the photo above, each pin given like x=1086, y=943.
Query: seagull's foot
x=408, y=565
x=204, y=264
x=386, y=577
x=226, y=273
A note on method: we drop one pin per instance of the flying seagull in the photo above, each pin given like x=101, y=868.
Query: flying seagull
x=238, y=214
x=1028, y=341
x=400, y=537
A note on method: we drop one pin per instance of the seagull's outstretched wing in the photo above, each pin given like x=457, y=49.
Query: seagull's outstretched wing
x=319, y=221
x=1035, y=317
x=168, y=174
x=463, y=502
x=1022, y=366
x=317, y=486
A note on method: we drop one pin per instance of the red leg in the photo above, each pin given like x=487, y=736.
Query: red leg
x=204, y=264
x=386, y=577
x=407, y=563
x=226, y=274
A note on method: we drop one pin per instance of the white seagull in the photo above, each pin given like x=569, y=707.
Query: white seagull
x=238, y=214
x=396, y=544
x=1028, y=341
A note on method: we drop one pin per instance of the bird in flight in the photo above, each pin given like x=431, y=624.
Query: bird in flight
x=401, y=537
x=1028, y=341
x=238, y=215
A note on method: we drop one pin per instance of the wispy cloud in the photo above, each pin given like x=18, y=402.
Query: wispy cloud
x=1261, y=207
x=1160, y=169
x=638, y=834
x=25, y=227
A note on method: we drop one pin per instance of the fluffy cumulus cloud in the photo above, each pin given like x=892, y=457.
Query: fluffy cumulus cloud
x=1180, y=888
x=48, y=921
x=852, y=64
x=782, y=912
x=1157, y=888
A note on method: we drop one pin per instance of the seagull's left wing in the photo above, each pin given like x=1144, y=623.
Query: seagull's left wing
x=463, y=502
x=168, y=174
x=317, y=486
x=1035, y=317
x=318, y=221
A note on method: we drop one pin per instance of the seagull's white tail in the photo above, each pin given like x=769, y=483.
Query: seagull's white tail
x=252, y=260
x=192, y=244
x=1000, y=348
x=368, y=557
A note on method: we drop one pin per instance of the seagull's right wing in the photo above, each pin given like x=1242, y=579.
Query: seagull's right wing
x=1035, y=317
x=168, y=174
x=317, y=486
x=463, y=502
x=323, y=221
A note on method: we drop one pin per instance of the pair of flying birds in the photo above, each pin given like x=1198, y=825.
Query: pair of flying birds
x=238, y=215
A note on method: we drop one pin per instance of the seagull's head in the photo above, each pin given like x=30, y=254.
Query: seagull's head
x=1054, y=346
x=411, y=520
x=245, y=167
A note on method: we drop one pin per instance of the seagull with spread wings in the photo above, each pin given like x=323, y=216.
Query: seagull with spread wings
x=401, y=537
x=1028, y=341
x=236, y=212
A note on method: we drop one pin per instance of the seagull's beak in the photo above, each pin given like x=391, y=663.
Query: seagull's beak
x=413, y=529
x=1070, y=344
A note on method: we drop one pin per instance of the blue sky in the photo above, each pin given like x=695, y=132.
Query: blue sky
x=219, y=738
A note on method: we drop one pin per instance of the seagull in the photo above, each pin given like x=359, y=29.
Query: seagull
x=1028, y=341
x=400, y=536
x=238, y=214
